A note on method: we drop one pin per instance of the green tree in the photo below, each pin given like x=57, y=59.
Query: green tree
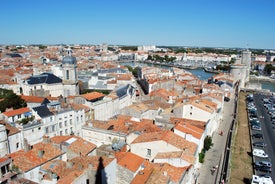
x=10, y=100
x=42, y=47
x=207, y=143
x=268, y=68
x=201, y=156
x=232, y=61
x=150, y=57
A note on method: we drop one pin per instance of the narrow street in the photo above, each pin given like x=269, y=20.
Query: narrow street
x=214, y=156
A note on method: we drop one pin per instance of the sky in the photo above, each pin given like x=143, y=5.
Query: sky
x=202, y=23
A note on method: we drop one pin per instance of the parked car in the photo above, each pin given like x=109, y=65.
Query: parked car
x=255, y=127
x=257, y=135
x=263, y=163
x=259, y=153
x=261, y=179
x=263, y=168
x=259, y=144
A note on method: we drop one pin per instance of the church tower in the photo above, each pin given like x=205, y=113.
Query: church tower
x=70, y=78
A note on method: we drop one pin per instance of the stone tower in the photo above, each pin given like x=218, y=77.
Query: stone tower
x=241, y=69
x=70, y=78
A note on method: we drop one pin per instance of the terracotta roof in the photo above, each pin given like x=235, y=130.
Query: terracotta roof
x=75, y=144
x=77, y=166
x=60, y=139
x=92, y=95
x=144, y=174
x=16, y=112
x=81, y=146
x=175, y=173
x=32, y=99
x=10, y=129
x=190, y=129
x=170, y=138
x=129, y=160
x=79, y=106
x=29, y=160
x=3, y=159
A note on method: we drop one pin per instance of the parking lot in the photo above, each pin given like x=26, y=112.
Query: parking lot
x=261, y=111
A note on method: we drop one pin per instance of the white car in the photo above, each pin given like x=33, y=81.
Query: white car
x=261, y=180
x=259, y=153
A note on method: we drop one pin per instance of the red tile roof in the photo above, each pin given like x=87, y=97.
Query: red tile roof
x=144, y=174
x=92, y=95
x=10, y=129
x=29, y=160
x=32, y=99
x=170, y=138
x=77, y=144
x=129, y=160
x=16, y=112
x=69, y=171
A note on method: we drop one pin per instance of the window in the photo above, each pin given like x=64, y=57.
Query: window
x=71, y=121
x=39, y=128
x=66, y=131
x=53, y=128
x=47, y=130
x=19, y=115
x=60, y=132
x=67, y=75
x=60, y=125
x=51, y=119
x=148, y=153
x=17, y=145
x=65, y=123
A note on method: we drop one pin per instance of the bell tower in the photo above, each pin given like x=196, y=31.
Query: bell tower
x=70, y=77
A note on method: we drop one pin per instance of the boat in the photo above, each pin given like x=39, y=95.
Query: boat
x=210, y=70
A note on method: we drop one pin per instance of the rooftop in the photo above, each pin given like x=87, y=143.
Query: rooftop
x=16, y=112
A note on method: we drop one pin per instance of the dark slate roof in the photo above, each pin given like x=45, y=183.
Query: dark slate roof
x=47, y=78
x=42, y=111
x=45, y=101
x=14, y=55
x=124, y=90
x=69, y=60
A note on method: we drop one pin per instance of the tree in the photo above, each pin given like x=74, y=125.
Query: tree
x=150, y=57
x=268, y=68
x=232, y=61
x=10, y=100
x=207, y=143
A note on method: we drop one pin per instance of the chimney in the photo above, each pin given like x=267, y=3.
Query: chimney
x=40, y=153
x=46, y=139
x=26, y=145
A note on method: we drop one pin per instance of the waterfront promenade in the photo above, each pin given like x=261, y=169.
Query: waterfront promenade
x=214, y=156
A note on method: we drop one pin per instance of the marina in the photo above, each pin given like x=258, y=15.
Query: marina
x=263, y=82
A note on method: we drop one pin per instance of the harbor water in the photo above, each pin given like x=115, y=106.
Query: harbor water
x=201, y=74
